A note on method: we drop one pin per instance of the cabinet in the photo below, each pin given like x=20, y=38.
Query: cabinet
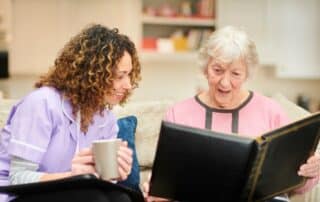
x=2, y=31
x=286, y=32
x=294, y=34
x=251, y=15
x=4, y=23
x=175, y=29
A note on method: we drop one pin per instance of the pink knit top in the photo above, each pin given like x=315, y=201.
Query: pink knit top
x=256, y=115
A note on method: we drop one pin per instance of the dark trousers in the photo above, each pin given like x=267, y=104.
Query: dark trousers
x=85, y=195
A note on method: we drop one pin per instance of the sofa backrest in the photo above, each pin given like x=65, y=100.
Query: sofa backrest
x=5, y=107
x=149, y=115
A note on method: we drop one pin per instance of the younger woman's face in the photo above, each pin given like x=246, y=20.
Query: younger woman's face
x=122, y=81
x=225, y=82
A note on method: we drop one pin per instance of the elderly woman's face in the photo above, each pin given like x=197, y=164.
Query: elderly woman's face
x=225, y=81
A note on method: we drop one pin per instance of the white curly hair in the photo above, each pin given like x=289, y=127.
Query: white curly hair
x=228, y=44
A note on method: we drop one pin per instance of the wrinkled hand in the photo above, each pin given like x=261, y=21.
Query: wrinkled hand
x=124, y=160
x=145, y=191
x=82, y=163
x=311, y=168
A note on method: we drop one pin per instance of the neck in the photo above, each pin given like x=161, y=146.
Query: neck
x=209, y=100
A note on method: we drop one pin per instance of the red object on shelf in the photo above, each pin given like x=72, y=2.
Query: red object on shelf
x=206, y=8
x=149, y=43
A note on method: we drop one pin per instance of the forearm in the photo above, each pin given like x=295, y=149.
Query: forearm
x=310, y=183
x=54, y=176
x=23, y=171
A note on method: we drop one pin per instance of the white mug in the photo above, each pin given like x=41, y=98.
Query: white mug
x=105, y=153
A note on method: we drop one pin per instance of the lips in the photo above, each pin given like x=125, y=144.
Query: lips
x=224, y=91
x=119, y=95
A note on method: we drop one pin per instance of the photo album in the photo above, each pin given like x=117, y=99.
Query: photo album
x=193, y=164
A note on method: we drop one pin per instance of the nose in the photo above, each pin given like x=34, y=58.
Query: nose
x=225, y=80
x=127, y=83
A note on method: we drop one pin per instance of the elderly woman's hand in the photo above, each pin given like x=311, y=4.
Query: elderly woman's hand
x=311, y=168
x=124, y=160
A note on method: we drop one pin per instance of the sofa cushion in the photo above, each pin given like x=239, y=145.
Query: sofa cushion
x=149, y=115
x=5, y=108
x=293, y=111
x=127, y=129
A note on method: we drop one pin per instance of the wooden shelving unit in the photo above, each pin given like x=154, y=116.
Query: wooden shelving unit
x=194, y=28
x=180, y=21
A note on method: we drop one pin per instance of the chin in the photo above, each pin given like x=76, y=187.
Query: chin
x=223, y=103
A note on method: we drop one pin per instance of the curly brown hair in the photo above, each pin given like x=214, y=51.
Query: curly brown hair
x=85, y=69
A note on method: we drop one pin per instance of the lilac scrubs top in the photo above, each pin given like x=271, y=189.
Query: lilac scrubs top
x=42, y=129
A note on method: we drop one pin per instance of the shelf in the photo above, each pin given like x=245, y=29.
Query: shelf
x=149, y=56
x=181, y=21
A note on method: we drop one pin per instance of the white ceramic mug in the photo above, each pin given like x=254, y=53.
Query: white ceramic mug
x=105, y=157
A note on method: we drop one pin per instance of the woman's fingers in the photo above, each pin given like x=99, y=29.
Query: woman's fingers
x=83, y=163
x=123, y=174
x=311, y=168
x=85, y=152
x=83, y=160
x=84, y=156
x=125, y=154
x=125, y=158
x=145, y=189
x=78, y=169
x=124, y=168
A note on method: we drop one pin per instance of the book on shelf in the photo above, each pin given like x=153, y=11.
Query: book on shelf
x=206, y=8
x=196, y=38
x=193, y=164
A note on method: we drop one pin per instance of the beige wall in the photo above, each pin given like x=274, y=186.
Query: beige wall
x=162, y=80
x=40, y=28
x=5, y=25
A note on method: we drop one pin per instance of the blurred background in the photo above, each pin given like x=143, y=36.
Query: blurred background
x=167, y=34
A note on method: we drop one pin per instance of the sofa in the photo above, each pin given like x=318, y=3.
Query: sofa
x=149, y=115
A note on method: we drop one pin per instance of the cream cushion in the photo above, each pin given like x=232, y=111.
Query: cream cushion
x=5, y=107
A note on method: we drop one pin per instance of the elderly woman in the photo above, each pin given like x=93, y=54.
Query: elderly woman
x=228, y=59
x=49, y=132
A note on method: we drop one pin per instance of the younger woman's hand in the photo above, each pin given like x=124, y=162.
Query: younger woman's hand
x=124, y=160
x=82, y=163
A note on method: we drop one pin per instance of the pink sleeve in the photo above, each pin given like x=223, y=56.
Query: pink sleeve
x=281, y=118
x=307, y=186
x=169, y=116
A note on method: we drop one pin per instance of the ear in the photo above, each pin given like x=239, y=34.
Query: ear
x=205, y=71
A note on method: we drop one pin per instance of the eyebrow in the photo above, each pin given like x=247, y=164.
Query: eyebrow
x=118, y=72
x=217, y=64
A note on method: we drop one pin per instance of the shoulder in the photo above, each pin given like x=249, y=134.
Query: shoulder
x=265, y=102
x=184, y=104
x=105, y=120
x=181, y=110
x=41, y=95
x=44, y=100
x=270, y=108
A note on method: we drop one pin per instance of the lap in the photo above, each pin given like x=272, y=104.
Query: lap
x=87, y=195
